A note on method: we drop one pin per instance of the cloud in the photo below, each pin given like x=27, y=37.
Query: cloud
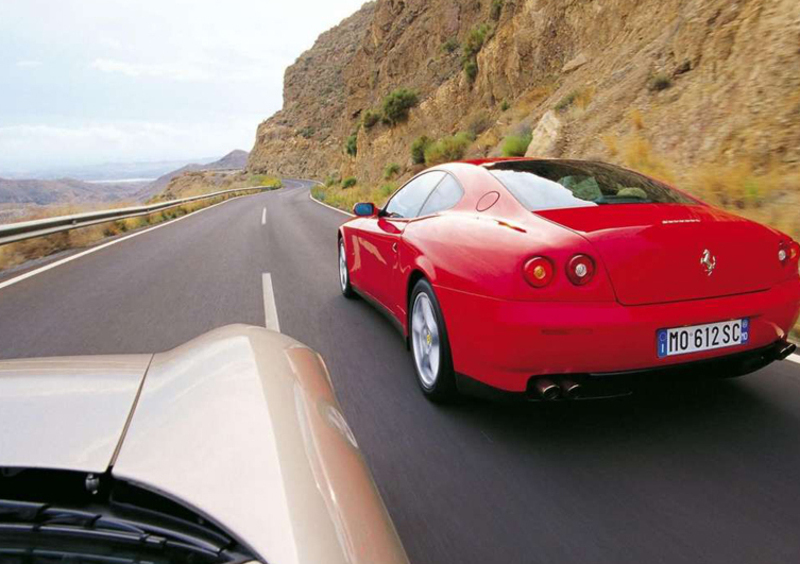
x=174, y=72
x=33, y=145
x=208, y=71
x=148, y=79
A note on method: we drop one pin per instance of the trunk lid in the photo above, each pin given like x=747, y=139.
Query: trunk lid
x=658, y=253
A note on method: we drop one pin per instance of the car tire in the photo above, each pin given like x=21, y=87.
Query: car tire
x=430, y=347
x=344, y=273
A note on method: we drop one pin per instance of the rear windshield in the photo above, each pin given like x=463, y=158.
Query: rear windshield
x=542, y=185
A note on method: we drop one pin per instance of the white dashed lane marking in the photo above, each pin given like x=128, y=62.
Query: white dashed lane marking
x=270, y=309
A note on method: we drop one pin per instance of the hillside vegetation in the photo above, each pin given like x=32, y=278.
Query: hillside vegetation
x=703, y=93
x=206, y=182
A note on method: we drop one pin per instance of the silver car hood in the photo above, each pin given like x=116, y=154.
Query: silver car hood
x=66, y=413
x=242, y=425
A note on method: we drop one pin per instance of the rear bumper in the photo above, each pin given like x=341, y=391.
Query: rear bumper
x=503, y=344
x=613, y=384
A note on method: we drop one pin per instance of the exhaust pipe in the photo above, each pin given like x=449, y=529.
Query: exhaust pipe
x=547, y=389
x=570, y=389
x=785, y=350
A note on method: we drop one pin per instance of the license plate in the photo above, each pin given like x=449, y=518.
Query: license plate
x=685, y=340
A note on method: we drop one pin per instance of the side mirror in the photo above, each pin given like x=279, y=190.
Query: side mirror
x=364, y=210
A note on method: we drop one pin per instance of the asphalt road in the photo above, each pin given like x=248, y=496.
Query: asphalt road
x=690, y=475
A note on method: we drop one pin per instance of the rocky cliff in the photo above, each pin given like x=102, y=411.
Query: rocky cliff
x=680, y=88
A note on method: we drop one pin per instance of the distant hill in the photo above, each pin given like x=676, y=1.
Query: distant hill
x=38, y=192
x=235, y=160
x=64, y=191
x=108, y=172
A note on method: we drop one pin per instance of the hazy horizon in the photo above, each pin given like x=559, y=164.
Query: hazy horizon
x=106, y=81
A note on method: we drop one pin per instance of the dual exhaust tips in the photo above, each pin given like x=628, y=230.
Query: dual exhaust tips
x=548, y=390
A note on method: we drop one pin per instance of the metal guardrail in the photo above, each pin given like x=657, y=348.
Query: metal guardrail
x=13, y=232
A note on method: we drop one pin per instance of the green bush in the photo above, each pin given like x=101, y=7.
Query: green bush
x=472, y=46
x=418, y=148
x=451, y=45
x=504, y=105
x=516, y=145
x=471, y=70
x=496, y=9
x=351, y=145
x=371, y=118
x=660, y=82
x=476, y=38
x=349, y=182
x=448, y=149
x=397, y=104
x=332, y=179
x=391, y=171
x=318, y=192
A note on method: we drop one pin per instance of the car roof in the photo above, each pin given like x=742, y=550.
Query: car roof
x=479, y=162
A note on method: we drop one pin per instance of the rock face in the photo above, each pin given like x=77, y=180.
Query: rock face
x=711, y=81
x=544, y=138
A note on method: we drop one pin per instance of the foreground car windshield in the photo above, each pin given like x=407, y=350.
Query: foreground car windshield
x=541, y=185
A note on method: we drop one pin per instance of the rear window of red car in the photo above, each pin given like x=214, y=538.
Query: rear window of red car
x=556, y=184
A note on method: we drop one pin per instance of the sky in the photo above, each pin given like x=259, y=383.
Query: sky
x=86, y=82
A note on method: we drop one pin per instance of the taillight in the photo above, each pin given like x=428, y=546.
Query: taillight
x=783, y=253
x=788, y=251
x=538, y=272
x=580, y=269
x=794, y=250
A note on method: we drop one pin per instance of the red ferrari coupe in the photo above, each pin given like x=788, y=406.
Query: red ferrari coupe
x=552, y=277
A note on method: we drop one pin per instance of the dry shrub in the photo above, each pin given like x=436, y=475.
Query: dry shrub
x=585, y=97
x=485, y=143
x=525, y=105
x=84, y=237
x=611, y=143
x=637, y=153
x=637, y=119
x=579, y=98
x=345, y=199
x=478, y=122
x=736, y=186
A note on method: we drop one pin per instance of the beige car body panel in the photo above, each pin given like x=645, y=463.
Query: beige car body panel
x=242, y=425
x=66, y=412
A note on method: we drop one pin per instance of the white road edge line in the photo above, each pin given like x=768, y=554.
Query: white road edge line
x=270, y=310
x=76, y=256
x=264, y=216
x=794, y=358
x=313, y=199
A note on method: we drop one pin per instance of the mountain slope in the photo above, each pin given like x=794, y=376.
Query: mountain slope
x=673, y=87
x=64, y=191
x=235, y=160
